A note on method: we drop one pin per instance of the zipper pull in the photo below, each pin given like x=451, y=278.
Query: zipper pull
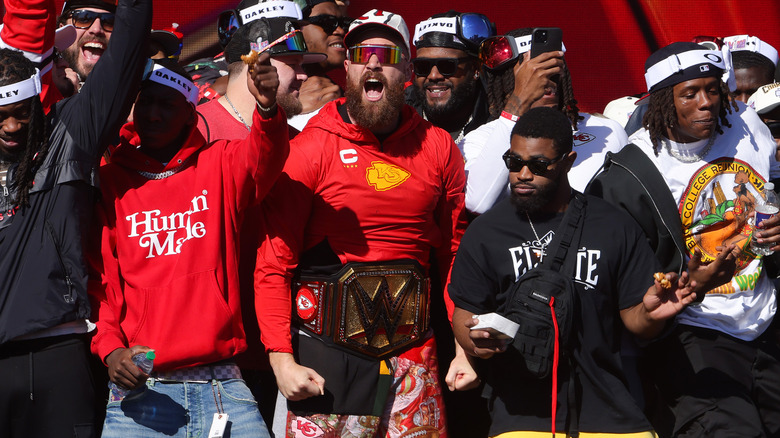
x=5, y=191
x=69, y=296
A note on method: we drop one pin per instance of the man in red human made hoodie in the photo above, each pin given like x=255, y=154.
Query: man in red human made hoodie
x=167, y=265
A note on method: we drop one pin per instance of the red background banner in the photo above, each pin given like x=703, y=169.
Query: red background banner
x=607, y=41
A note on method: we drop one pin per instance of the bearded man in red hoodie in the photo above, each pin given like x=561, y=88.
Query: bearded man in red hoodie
x=170, y=214
x=369, y=192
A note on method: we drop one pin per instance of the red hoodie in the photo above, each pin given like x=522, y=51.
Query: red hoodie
x=168, y=248
x=372, y=201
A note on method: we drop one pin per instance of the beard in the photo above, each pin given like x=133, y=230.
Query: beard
x=461, y=96
x=290, y=104
x=532, y=204
x=374, y=115
x=72, y=54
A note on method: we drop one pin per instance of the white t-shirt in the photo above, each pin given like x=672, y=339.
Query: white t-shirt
x=715, y=197
x=299, y=121
x=487, y=177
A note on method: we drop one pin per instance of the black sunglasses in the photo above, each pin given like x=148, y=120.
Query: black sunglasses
x=329, y=23
x=774, y=128
x=446, y=66
x=537, y=166
x=83, y=19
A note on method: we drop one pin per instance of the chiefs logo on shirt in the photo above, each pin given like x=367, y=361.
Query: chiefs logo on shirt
x=580, y=138
x=382, y=176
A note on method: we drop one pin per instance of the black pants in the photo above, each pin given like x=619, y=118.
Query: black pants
x=47, y=388
x=718, y=386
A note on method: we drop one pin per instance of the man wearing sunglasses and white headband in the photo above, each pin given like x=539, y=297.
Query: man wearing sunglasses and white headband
x=691, y=178
x=516, y=82
x=166, y=275
x=446, y=89
x=94, y=23
x=369, y=190
x=48, y=167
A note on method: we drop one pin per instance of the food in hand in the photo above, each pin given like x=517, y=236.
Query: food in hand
x=661, y=279
x=250, y=58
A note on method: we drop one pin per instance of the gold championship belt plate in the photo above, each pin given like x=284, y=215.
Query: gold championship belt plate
x=373, y=309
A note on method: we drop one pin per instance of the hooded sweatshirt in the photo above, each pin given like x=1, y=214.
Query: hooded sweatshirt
x=168, y=256
x=370, y=201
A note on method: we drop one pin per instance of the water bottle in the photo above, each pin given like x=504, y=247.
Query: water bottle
x=144, y=361
x=765, y=208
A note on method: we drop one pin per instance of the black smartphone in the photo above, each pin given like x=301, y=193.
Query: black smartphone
x=546, y=39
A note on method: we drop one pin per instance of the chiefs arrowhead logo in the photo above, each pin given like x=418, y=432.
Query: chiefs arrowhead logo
x=306, y=304
x=382, y=176
x=581, y=138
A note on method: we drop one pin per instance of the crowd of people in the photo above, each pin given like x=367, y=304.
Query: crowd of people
x=320, y=232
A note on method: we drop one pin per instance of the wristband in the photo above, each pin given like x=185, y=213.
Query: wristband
x=509, y=116
x=264, y=109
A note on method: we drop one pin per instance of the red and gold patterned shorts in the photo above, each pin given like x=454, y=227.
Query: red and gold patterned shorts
x=414, y=409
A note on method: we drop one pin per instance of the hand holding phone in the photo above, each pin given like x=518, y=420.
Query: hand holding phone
x=546, y=39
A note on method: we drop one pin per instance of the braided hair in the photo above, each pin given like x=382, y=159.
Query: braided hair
x=14, y=67
x=499, y=85
x=661, y=113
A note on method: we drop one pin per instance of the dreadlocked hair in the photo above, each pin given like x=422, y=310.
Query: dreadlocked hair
x=14, y=67
x=499, y=85
x=661, y=113
x=566, y=101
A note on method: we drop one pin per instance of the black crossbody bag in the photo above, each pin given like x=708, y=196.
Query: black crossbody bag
x=543, y=302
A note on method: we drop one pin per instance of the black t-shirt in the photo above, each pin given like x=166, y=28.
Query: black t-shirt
x=614, y=269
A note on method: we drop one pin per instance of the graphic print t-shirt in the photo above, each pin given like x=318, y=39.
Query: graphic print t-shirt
x=613, y=271
x=716, y=198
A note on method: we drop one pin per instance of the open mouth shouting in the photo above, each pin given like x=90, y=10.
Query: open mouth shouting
x=373, y=87
x=91, y=51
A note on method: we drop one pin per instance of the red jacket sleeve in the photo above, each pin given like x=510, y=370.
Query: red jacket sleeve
x=253, y=164
x=286, y=211
x=28, y=26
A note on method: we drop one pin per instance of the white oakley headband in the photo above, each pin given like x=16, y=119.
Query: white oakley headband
x=665, y=68
x=271, y=9
x=443, y=24
x=166, y=77
x=22, y=90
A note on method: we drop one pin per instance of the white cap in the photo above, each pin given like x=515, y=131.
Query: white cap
x=753, y=44
x=376, y=17
x=766, y=98
x=620, y=109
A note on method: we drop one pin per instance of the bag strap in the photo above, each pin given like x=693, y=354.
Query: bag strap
x=206, y=124
x=569, y=231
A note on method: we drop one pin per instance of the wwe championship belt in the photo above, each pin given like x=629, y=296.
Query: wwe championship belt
x=373, y=309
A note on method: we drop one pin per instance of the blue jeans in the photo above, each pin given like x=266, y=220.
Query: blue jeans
x=184, y=409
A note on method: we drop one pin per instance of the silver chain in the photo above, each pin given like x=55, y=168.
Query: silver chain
x=238, y=114
x=534, y=230
x=694, y=157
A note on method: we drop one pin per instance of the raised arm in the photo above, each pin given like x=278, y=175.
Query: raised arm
x=92, y=118
x=254, y=163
